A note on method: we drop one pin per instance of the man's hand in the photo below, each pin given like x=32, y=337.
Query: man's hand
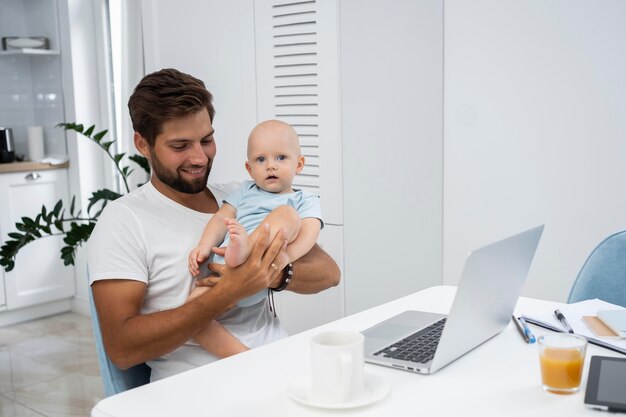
x=261, y=270
x=282, y=259
x=210, y=281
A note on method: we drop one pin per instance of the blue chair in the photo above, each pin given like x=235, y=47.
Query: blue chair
x=603, y=275
x=114, y=379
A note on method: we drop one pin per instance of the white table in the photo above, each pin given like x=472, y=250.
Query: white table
x=500, y=377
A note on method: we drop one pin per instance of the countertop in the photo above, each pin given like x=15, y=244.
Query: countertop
x=29, y=166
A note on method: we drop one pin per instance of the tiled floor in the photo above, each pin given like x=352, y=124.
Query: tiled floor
x=49, y=367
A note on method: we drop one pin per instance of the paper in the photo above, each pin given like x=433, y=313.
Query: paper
x=55, y=159
x=574, y=314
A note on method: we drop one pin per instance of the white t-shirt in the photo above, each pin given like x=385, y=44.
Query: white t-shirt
x=146, y=236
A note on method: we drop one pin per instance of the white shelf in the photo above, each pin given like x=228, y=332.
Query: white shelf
x=30, y=51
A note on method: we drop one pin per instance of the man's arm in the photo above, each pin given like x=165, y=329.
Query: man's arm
x=312, y=273
x=131, y=338
x=306, y=238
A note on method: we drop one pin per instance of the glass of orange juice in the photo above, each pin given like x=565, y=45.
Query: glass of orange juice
x=562, y=356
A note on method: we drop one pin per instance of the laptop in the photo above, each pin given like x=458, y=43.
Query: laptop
x=490, y=285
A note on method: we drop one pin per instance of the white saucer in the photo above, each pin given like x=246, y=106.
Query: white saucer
x=375, y=390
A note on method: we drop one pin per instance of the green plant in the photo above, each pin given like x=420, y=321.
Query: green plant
x=72, y=224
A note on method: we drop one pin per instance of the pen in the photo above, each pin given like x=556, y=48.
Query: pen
x=527, y=332
x=562, y=319
x=520, y=328
x=591, y=340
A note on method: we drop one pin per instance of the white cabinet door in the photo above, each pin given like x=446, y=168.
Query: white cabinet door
x=39, y=275
x=299, y=312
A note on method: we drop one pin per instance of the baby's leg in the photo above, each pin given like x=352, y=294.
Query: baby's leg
x=215, y=339
x=281, y=218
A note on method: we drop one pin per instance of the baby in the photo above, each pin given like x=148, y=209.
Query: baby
x=273, y=161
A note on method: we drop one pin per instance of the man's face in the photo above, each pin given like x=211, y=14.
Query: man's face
x=183, y=153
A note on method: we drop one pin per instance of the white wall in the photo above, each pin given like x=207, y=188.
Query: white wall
x=391, y=117
x=535, y=130
x=213, y=41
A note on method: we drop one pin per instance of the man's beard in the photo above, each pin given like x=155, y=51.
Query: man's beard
x=175, y=181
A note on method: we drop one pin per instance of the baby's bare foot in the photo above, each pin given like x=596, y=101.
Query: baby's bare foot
x=238, y=248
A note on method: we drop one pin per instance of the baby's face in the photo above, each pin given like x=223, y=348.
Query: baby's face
x=274, y=158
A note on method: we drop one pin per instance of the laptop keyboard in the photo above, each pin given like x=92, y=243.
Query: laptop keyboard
x=419, y=347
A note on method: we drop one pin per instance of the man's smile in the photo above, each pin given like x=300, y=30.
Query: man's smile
x=194, y=170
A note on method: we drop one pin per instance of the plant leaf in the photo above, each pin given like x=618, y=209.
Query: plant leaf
x=10, y=264
x=98, y=136
x=105, y=195
x=118, y=157
x=141, y=161
x=59, y=225
x=57, y=207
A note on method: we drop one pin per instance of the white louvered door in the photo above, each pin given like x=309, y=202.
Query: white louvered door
x=297, y=82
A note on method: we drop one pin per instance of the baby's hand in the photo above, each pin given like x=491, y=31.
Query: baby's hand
x=196, y=257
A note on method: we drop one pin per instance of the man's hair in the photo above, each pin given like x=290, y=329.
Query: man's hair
x=166, y=95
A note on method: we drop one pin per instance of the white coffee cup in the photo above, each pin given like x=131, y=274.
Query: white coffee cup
x=337, y=364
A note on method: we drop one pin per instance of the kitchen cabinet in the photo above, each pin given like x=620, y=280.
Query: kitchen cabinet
x=32, y=93
x=39, y=275
x=31, y=87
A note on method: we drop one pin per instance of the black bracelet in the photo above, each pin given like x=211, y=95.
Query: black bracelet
x=287, y=275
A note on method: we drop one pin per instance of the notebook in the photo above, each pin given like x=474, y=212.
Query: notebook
x=598, y=327
x=490, y=285
x=615, y=320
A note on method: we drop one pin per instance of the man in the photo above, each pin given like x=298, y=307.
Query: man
x=138, y=250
